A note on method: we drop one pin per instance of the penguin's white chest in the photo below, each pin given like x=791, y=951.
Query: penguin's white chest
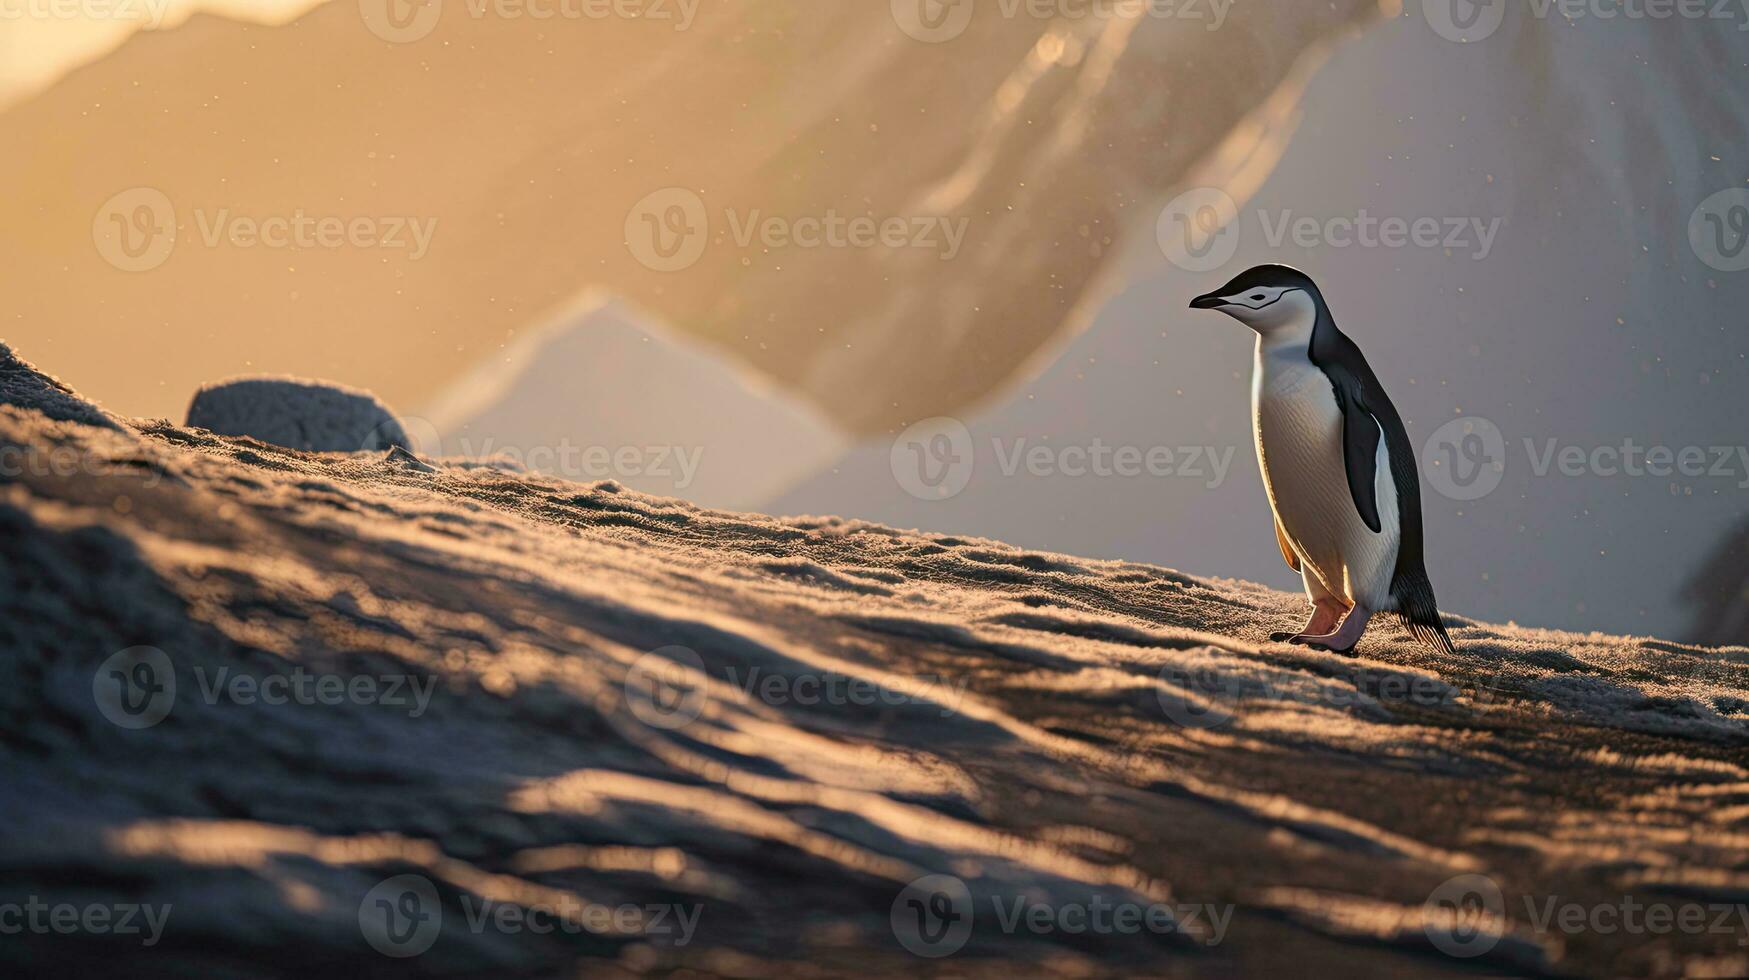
x=1299, y=448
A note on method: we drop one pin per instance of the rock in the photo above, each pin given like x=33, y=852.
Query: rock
x=313, y=416
x=401, y=456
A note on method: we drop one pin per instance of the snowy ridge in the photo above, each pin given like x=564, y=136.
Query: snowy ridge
x=1051, y=729
x=604, y=376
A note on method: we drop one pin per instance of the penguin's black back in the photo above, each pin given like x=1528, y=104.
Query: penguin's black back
x=1340, y=358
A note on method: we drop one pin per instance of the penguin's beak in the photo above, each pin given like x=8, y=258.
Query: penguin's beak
x=1212, y=301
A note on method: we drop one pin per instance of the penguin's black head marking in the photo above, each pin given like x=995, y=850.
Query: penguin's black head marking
x=1257, y=287
x=1267, y=298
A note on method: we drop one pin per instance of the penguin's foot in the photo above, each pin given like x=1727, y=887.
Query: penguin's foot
x=1346, y=636
x=1325, y=616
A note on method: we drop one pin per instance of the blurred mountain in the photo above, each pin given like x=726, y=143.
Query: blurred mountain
x=601, y=393
x=498, y=163
x=41, y=40
x=528, y=153
x=1589, y=321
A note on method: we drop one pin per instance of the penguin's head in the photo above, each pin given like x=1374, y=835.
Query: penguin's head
x=1270, y=299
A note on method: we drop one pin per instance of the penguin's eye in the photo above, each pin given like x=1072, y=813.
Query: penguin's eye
x=1259, y=296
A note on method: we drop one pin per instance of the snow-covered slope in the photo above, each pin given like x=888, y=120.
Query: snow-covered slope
x=773, y=729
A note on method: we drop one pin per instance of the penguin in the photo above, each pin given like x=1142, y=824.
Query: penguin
x=1337, y=462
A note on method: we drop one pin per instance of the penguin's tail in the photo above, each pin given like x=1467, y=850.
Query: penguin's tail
x=1419, y=612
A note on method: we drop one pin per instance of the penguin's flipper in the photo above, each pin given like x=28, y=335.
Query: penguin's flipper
x=1360, y=451
x=1287, y=550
